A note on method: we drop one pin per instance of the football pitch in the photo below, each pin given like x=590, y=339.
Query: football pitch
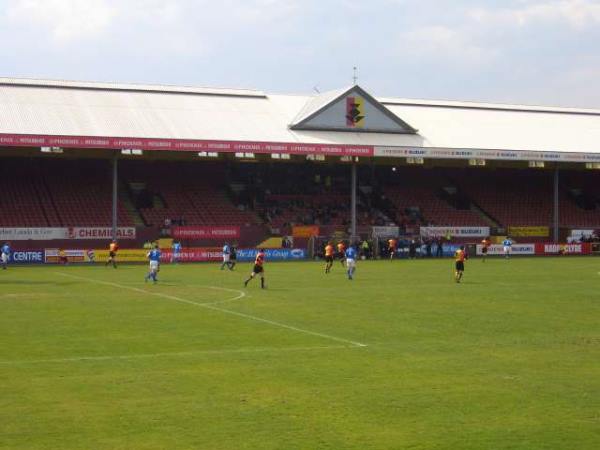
x=400, y=358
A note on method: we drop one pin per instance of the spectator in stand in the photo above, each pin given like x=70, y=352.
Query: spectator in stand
x=440, y=247
x=366, y=249
x=428, y=247
x=412, y=249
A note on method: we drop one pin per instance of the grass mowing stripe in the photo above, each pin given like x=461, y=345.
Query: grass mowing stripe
x=177, y=354
x=214, y=308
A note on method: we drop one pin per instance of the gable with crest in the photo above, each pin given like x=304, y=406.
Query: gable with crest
x=351, y=109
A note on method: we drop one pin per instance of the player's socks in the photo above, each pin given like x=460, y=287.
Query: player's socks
x=262, y=283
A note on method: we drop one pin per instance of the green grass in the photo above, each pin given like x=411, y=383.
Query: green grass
x=509, y=359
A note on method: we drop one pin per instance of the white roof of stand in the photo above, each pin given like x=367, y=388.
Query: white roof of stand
x=64, y=108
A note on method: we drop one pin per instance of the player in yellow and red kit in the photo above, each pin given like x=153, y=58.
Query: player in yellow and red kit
x=113, y=248
x=328, y=257
x=392, y=247
x=258, y=269
x=459, y=263
x=485, y=246
x=341, y=252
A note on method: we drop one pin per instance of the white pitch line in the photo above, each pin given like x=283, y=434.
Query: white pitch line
x=214, y=308
x=174, y=354
x=241, y=295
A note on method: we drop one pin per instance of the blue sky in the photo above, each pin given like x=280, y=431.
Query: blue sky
x=514, y=51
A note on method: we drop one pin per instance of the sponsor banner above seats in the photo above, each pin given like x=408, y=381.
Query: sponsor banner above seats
x=563, y=249
x=205, y=232
x=529, y=231
x=34, y=234
x=294, y=148
x=458, y=232
x=577, y=235
x=27, y=257
x=517, y=249
x=384, y=232
x=183, y=145
x=305, y=231
x=272, y=254
x=49, y=234
x=457, y=153
x=100, y=233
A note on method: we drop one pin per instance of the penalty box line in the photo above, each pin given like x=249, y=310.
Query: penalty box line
x=216, y=308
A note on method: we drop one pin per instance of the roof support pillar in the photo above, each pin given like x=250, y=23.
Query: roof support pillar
x=555, y=233
x=115, y=192
x=353, y=205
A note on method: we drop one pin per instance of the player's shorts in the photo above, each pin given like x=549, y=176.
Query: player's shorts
x=350, y=263
x=154, y=265
x=4, y=258
x=329, y=258
x=258, y=269
x=341, y=255
x=225, y=258
x=484, y=250
x=507, y=249
x=460, y=266
x=112, y=254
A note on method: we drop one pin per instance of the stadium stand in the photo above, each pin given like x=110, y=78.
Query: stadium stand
x=42, y=192
x=51, y=193
x=429, y=197
x=525, y=197
x=188, y=194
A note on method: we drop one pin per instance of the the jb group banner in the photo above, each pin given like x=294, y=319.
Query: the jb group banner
x=217, y=233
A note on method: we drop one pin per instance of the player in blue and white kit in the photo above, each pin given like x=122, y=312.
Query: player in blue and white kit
x=154, y=258
x=350, y=261
x=226, y=256
x=5, y=254
x=176, y=247
x=507, y=245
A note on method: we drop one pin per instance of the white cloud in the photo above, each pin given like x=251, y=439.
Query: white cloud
x=574, y=13
x=64, y=20
x=445, y=44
